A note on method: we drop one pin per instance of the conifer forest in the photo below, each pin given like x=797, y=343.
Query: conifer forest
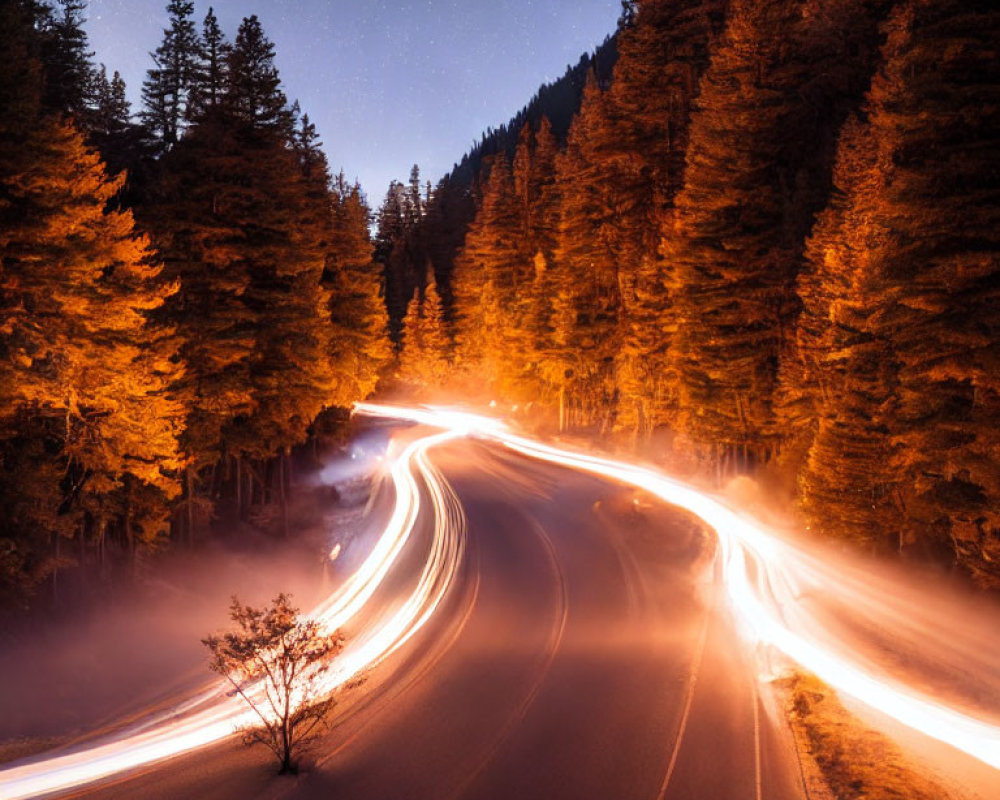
x=753, y=237
x=767, y=243
x=641, y=440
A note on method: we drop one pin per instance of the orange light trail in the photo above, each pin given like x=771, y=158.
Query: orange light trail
x=212, y=715
x=765, y=579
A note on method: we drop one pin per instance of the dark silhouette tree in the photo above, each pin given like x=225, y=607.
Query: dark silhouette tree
x=166, y=92
x=66, y=57
x=212, y=73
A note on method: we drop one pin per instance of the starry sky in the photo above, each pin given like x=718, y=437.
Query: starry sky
x=389, y=83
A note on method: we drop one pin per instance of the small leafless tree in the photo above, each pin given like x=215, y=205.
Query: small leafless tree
x=275, y=661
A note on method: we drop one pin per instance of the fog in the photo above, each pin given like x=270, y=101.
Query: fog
x=125, y=651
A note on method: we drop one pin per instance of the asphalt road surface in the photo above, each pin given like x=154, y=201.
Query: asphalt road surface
x=582, y=654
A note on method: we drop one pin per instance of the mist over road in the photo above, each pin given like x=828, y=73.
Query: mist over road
x=536, y=622
x=581, y=653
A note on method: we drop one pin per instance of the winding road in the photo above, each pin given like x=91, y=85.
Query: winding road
x=580, y=654
x=529, y=626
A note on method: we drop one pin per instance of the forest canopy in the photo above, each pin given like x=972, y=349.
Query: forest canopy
x=182, y=291
x=767, y=244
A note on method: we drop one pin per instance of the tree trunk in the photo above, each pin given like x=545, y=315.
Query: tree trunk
x=129, y=536
x=189, y=478
x=239, y=487
x=282, y=493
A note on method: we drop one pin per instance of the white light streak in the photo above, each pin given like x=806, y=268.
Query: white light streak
x=213, y=716
x=764, y=579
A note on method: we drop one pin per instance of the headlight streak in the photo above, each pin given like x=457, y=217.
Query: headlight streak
x=764, y=579
x=212, y=715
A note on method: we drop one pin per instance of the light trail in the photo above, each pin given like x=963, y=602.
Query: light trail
x=765, y=579
x=212, y=715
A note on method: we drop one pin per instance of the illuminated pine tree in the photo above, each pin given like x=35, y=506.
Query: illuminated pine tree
x=587, y=273
x=662, y=55
x=932, y=112
x=528, y=305
x=757, y=169
x=360, y=345
x=891, y=383
x=488, y=272
x=85, y=374
x=837, y=387
x=424, y=361
x=663, y=50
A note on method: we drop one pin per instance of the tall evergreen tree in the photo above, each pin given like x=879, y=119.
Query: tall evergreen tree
x=423, y=361
x=84, y=372
x=757, y=168
x=112, y=111
x=838, y=387
x=255, y=96
x=588, y=273
x=66, y=57
x=489, y=274
x=212, y=73
x=242, y=227
x=166, y=92
x=399, y=253
x=360, y=345
x=933, y=112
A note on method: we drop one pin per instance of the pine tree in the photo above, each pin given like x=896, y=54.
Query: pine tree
x=196, y=224
x=489, y=273
x=242, y=228
x=212, y=74
x=588, y=274
x=414, y=202
x=837, y=388
x=84, y=372
x=112, y=111
x=360, y=345
x=663, y=50
x=933, y=110
x=528, y=314
x=255, y=97
x=166, y=92
x=891, y=383
x=756, y=169
x=395, y=252
x=423, y=362
x=122, y=143
x=444, y=227
x=66, y=57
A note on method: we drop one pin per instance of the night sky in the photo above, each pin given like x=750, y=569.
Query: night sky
x=389, y=83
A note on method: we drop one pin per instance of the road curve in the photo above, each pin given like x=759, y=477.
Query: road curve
x=580, y=653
